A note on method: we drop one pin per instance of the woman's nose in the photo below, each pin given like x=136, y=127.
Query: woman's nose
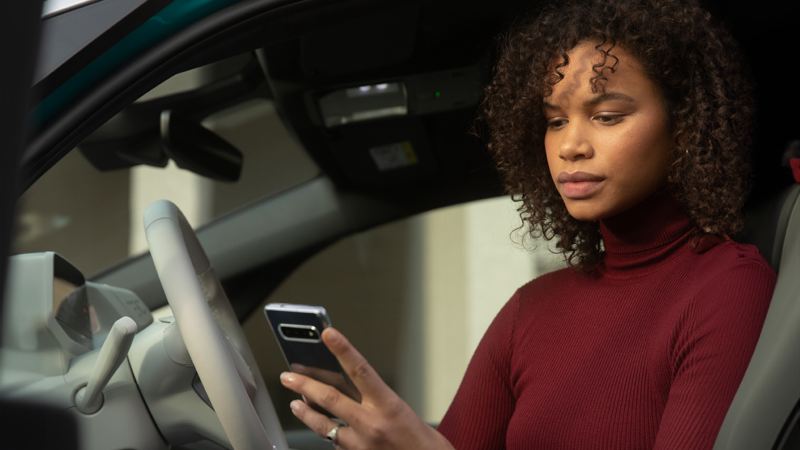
x=575, y=144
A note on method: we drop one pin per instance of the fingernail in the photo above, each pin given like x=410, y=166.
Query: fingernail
x=295, y=406
x=287, y=377
x=333, y=335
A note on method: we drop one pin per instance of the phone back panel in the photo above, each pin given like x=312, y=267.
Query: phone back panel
x=309, y=354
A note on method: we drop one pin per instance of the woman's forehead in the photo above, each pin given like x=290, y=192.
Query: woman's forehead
x=622, y=72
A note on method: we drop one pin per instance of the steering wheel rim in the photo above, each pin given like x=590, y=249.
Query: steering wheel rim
x=211, y=332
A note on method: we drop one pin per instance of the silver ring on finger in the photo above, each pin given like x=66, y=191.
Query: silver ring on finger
x=332, y=434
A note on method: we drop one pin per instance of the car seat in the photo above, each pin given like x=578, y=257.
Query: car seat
x=765, y=413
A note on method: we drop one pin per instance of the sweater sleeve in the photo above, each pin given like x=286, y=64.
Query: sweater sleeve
x=710, y=352
x=479, y=414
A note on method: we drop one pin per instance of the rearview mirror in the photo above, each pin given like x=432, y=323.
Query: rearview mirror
x=195, y=148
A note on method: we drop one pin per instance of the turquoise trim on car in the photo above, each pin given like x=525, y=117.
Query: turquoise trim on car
x=172, y=18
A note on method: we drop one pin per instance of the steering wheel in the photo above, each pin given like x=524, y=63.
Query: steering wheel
x=211, y=332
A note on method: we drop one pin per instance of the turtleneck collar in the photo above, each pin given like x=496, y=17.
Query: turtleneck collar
x=638, y=239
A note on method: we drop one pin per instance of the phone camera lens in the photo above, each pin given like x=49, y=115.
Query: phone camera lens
x=299, y=332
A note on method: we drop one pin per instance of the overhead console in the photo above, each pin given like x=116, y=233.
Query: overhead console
x=380, y=134
x=412, y=95
x=384, y=97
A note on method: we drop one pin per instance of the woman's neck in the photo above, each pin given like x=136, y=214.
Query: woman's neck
x=640, y=237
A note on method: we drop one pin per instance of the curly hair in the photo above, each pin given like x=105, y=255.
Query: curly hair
x=705, y=84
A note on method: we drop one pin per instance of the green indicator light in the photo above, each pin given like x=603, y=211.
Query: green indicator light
x=437, y=94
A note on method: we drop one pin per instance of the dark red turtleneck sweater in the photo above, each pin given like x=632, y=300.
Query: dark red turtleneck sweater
x=648, y=354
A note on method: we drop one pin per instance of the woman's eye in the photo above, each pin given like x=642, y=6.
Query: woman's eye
x=556, y=123
x=608, y=119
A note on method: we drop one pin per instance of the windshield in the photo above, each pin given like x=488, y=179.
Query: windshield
x=75, y=207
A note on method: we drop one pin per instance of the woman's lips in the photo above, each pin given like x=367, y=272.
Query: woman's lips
x=579, y=185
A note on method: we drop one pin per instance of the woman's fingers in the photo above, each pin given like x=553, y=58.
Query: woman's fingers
x=381, y=420
x=335, y=379
x=363, y=376
x=321, y=424
x=327, y=397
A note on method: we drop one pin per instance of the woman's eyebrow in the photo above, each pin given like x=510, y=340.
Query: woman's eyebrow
x=608, y=96
x=550, y=106
x=594, y=101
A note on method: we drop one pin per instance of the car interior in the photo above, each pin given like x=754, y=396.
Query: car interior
x=311, y=152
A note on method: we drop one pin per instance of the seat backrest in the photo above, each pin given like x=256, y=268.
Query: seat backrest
x=765, y=411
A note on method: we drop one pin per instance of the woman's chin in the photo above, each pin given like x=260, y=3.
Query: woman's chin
x=585, y=211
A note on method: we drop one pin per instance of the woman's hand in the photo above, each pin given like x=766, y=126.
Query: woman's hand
x=381, y=420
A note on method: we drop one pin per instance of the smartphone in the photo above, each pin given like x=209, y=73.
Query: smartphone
x=298, y=330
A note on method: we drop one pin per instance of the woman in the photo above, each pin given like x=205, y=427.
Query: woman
x=622, y=128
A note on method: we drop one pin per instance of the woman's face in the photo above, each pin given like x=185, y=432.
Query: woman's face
x=608, y=150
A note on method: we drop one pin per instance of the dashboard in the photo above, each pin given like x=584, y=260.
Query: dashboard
x=59, y=341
